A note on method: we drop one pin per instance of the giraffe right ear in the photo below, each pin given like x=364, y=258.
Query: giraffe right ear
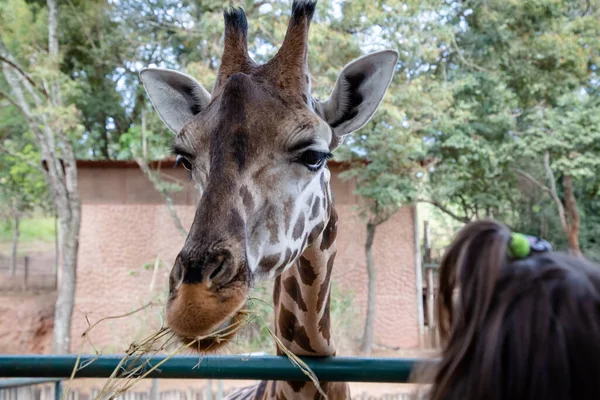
x=176, y=97
x=359, y=89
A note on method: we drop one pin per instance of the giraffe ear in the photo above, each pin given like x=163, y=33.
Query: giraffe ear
x=176, y=97
x=357, y=93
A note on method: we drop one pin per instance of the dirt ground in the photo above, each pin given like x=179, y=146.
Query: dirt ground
x=26, y=322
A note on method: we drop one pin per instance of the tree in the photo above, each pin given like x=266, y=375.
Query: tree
x=30, y=67
x=384, y=162
x=568, y=137
x=22, y=189
x=472, y=141
x=506, y=70
x=547, y=53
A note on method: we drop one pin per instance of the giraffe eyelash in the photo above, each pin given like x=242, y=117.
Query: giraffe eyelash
x=313, y=159
x=181, y=160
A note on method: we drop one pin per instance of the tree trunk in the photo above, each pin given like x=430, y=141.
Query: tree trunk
x=67, y=203
x=69, y=234
x=572, y=215
x=567, y=212
x=105, y=140
x=367, y=342
x=15, y=243
x=53, y=47
x=56, y=246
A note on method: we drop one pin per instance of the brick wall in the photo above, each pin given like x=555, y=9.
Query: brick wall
x=126, y=225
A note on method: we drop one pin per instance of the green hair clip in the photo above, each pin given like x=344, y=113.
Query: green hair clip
x=519, y=245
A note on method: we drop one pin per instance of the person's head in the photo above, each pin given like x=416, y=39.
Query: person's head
x=516, y=328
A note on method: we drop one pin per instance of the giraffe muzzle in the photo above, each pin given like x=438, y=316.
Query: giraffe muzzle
x=206, y=293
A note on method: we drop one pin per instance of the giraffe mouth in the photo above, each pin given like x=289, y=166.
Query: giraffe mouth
x=204, y=319
x=218, y=337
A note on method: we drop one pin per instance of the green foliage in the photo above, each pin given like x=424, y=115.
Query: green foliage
x=501, y=83
x=474, y=145
x=569, y=131
x=385, y=156
x=24, y=32
x=35, y=229
x=22, y=186
x=384, y=165
x=158, y=145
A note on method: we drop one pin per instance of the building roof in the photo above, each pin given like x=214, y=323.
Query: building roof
x=169, y=161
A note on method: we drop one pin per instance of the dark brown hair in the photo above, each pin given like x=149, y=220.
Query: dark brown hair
x=515, y=329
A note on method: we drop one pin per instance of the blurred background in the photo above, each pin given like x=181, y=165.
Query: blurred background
x=494, y=112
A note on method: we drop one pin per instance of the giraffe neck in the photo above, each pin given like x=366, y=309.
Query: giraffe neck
x=302, y=317
x=301, y=297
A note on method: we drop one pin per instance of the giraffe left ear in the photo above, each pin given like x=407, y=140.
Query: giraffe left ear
x=357, y=94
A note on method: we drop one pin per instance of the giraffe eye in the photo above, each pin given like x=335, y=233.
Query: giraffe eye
x=181, y=160
x=313, y=160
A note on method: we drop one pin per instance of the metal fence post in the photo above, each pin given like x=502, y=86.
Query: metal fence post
x=26, y=272
x=219, y=390
x=154, y=389
x=209, y=392
x=58, y=390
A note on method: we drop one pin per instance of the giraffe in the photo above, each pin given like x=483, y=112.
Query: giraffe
x=257, y=146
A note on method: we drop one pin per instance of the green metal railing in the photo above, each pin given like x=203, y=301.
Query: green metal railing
x=349, y=369
x=7, y=384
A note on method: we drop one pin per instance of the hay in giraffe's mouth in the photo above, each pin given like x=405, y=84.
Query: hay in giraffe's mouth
x=124, y=378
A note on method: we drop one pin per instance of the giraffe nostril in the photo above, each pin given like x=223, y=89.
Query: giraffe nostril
x=220, y=261
x=176, y=275
x=218, y=267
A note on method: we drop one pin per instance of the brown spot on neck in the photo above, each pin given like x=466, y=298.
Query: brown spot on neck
x=292, y=287
x=330, y=232
x=324, y=322
x=271, y=216
x=269, y=262
x=296, y=385
x=325, y=285
x=299, y=228
x=288, y=208
x=306, y=271
x=310, y=200
x=292, y=331
x=276, y=290
x=314, y=213
x=314, y=234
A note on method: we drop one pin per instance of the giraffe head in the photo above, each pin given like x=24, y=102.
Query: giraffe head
x=257, y=146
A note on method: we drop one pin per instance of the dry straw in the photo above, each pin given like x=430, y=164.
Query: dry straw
x=139, y=355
